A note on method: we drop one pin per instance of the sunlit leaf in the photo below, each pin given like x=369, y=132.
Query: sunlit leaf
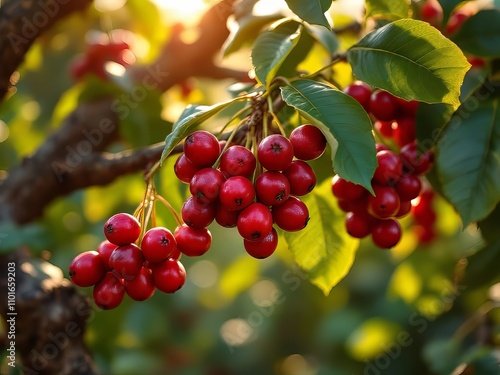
x=325, y=37
x=239, y=276
x=391, y=10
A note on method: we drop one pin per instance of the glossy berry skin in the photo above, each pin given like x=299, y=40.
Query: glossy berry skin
x=205, y=185
x=413, y=163
x=197, y=215
x=192, y=241
x=272, y=188
x=408, y=187
x=301, y=177
x=255, y=222
x=126, y=261
x=109, y=292
x=292, y=216
x=105, y=249
x=383, y=105
x=122, y=229
x=404, y=131
x=224, y=217
x=423, y=212
x=236, y=193
x=87, y=269
x=158, y=244
x=404, y=209
x=169, y=276
x=386, y=233
x=360, y=91
x=275, y=152
x=142, y=287
x=389, y=168
x=184, y=169
x=432, y=12
x=384, y=128
x=202, y=148
x=237, y=161
x=264, y=248
x=308, y=142
x=385, y=203
x=458, y=17
x=346, y=190
x=359, y=225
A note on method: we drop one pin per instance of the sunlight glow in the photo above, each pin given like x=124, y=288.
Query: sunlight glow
x=186, y=11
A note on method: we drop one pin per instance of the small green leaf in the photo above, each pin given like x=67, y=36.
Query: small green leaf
x=412, y=60
x=489, y=225
x=323, y=248
x=272, y=47
x=448, y=6
x=325, y=37
x=430, y=121
x=468, y=161
x=479, y=35
x=312, y=11
x=344, y=123
x=391, y=10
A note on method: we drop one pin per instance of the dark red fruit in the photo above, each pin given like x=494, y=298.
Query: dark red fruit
x=413, y=163
x=122, y=229
x=142, y=287
x=423, y=211
x=126, y=261
x=105, y=249
x=359, y=225
x=383, y=105
x=404, y=209
x=293, y=215
x=432, y=12
x=360, y=91
x=407, y=108
x=237, y=161
x=224, y=217
x=264, y=248
x=425, y=233
x=184, y=169
x=275, y=152
x=192, y=241
x=301, y=177
x=202, y=148
x=272, y=188
x=87, y=269
x=205, y=185
x=458, y=17
x=404, y=131
x=389, y=168
x=109, y=292
x=346, y=190
x=169, y=276
x=386, y=233
x=255, y=222
x=236, y=193
x=408, y=187
x=308, y=142
x=197, y=215
x=385, y=203
x=384, y=128
x=158, y=244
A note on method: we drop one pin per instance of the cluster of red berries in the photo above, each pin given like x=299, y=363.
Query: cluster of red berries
x=120, y=267
x=248, y=190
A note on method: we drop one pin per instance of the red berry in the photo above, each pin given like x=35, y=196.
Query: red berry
x=275, y=152
x=142, y=287
x=205, y=185
x=105, y=249
x=197, y=215
x=192, y=241
x=386, y=233
x=385, y=203
x=425, y=233
x=237, y=161
x=407, y=108
x=158, y=244
x=184, y=169
x=432, y=12
x=413, y=163
x=404, y=209
x=384, y=128
x=169, y=276
x=122, y=229
x=126, y=261
x=202, y=148
x=404, y=131
x=360, y=91
x=87, y=269
x=308, y=142
x=389, y=168
x=224, y=217
x=272, y=188
x=423, y=212
x=109, y=292
x=264, y=248
x=236, y=193
x=255, y=222
x=381, y=147
x=292, y=215
x=359, y=225
x=408, y=187
x=301, y=177
x=346, y=190
x=383, y=105
x=458, y=17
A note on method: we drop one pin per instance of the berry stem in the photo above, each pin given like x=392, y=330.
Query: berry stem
x=171, y=209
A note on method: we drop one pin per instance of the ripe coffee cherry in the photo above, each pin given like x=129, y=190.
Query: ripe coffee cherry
x=87, y=269
x=383, y=105
x=122, y=229
x=142, y=287
x=359, y=225
x=158, y=244
x=360, y=91
x=205, y=185
x=423, y=211
x=255, y=222
x=308, y=142
x=105, y=249
x=404, y=131
x=432, y=12
x=224, y=217
x=275, y=152
x=169, y=276
x=272, y=188
x=384, y=128
x=236, y=193
x=184, y=169
x=126, y=261
x=346, y=190
x=202, y=148
x=293, y=215
x=197, y=215
x=386, y=233
x=407, y=108
x=389, y=168
x=404, y=209
x=237, y=161
x=458, y=17
x=264, y=248
x=408, y=187
x=413, y=163
x=301, y=177
x=192, y=241
x=109, y=292
x=385, y=203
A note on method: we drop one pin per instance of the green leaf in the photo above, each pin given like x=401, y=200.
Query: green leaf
x=412, y=60
x=296, y=56
x=323, y=248
x=13, y=236
x=239, y=276
x=489, y=225
x=442, y=356
x=312, y=11
x=272, y=47
x=448, y=6
x=480, y=34
x=468, y=160
x=344, y=123
x=392, y=10
x=326, y=38
x=482, y=266
x=430, y=121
